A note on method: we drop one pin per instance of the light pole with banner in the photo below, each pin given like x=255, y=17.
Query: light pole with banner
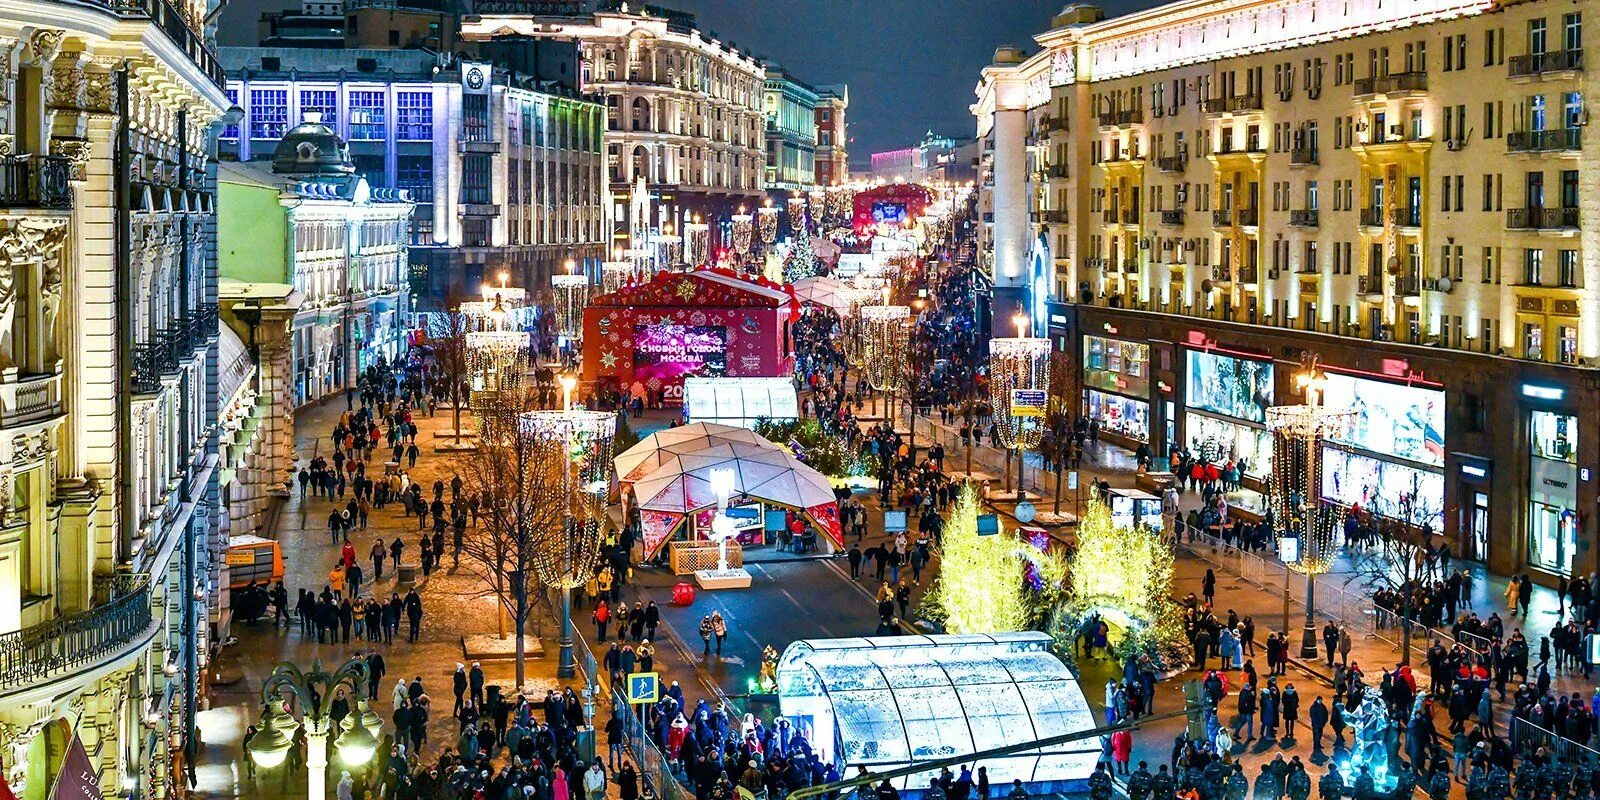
x=1019, y=392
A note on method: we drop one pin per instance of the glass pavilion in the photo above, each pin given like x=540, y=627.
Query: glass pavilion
x=890, y=702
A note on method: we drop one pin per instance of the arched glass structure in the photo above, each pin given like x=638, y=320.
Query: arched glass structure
x=893, y=701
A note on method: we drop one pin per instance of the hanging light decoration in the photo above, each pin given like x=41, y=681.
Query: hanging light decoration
x=851, y=327
x=697, y=235
x=742, y=234
x=817, y=203
x=571, y=295
x=1295, y=486
x=1019, y=386
x=836, y=200
x=886, y=332
x=797, y=215
x=615, y=274
x=494, y=358
x=767, y=223
x=584, y=438
x=670, y=246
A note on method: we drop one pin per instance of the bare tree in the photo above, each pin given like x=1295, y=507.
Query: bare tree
x=523, y=520
x=1398, y=568
x=447, y=334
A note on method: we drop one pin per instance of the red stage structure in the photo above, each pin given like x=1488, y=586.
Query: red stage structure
x=709, y=322
x=893, y=203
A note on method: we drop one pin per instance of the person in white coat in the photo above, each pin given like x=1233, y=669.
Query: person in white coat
x=594, y=782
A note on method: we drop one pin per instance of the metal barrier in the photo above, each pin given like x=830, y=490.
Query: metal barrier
x=1527, y=737
x=653, y=765
x=687, y=558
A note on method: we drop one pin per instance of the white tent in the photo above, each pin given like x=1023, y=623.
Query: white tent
x=825, y=292
x=658, y=448
x=682, y=485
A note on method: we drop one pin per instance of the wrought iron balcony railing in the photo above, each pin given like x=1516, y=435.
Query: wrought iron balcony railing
x=69, y=644
x=35, y=182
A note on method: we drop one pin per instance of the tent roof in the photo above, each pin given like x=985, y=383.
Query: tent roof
x=703, y=287
x=683, y=483
x=825, y=292
x=658, y=448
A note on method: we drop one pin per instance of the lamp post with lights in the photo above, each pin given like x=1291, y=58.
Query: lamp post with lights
x=313, y=693
x=1019, y=388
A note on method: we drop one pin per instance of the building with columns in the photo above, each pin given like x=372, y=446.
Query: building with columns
x=833, y=135
x=1203, y=193
x=686, y=124
x=791, y=107
x=256, y=392
x=109, y=560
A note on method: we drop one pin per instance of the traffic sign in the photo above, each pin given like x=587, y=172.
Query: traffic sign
x=643, y=687
x=1029, y=402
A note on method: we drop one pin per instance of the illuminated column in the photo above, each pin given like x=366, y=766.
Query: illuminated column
x=1010, y=216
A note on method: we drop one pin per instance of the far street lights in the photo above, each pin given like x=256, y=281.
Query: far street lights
x=314, y=693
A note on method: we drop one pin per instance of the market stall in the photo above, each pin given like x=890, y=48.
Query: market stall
x=658, y=448
x=828, y=293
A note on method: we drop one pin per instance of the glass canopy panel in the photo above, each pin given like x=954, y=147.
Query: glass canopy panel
x=848, y=675
x=935, y=726
x=1036, y=666
x=869, y=728
x=997, y=716
x=1058, y=707
x=974, y=670
x=905, y=676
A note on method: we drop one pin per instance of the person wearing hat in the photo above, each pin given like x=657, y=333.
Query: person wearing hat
x=594, y=781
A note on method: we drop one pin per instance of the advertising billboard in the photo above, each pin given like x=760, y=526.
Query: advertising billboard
x=1411, y=495
x=1233, y=387
x=667, y=353
x=1397, y=420
x=1220, y=441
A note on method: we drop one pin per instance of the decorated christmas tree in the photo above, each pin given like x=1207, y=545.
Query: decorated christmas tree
x=1123, y=576
x=996, y=583
x=800, y=261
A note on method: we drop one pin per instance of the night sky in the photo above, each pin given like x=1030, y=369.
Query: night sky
x=911, y=64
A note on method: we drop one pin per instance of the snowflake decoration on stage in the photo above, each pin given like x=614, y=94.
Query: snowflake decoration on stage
x=608, y=360
x=685, y=290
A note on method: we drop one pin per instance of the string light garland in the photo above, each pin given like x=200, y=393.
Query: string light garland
x=767, y=224
x=615, y=274
x=1124, y=575
x=697, y=235
x=742, y=232
x=572, y=294
x=886, y=333
x=797, y=215
x=584, y=440
x=1019, y=385
x=817, y=204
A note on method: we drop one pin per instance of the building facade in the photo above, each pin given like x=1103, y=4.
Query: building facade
x=312, y=224
x=504, y=178
x=109, y=565
x=1209, y=191
x=685, y=119
x=935, y=159
x=364, y=24
x=833, y=135
x=791, y=108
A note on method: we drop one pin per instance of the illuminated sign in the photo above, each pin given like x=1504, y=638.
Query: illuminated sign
x=1028, y=402
x=1474, y=472
x=1543, y=392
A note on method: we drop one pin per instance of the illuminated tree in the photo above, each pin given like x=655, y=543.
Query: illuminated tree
x=990, y=584
x=800, y=261
x=1124, y=574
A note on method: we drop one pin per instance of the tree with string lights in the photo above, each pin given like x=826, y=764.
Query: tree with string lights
x=994, y=583
x=447, y=335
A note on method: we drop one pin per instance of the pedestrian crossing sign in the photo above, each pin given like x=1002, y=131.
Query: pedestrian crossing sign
x=644, y=687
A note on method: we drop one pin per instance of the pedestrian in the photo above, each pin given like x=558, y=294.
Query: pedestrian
x=602, y=616
x=705, y=634
x=719, y=629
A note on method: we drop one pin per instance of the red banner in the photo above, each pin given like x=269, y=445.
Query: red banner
x=78, y=780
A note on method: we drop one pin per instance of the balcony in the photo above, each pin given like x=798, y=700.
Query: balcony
x=1372, y=217
x=1304, y=157
x=36, y=182
x=1369, y=285
x=167, y=17
x=1222, y=218
x=1172, y=218
x=1406, y=217
x=1240, y=104
x=1530, y=66
x=1172, y=163
x=1399, y=83
x=1550, y=141
x=1249, y=217
x=1304, y=218
x=1130, y=266
x=1055, y=124
x=30, y=399
x=1093, y=263
x=1122, y=119
x=1407, y=286
x=1541, y=219
x=69, y=645
x=1056, y=217
x=1056, y=170
x=476, y=141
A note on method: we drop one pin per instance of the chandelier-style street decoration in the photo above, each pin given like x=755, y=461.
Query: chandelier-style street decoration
x=571, y=295
x=668, y=247
x=697, y=236
x=838, y=199
x=614, y=275
x=817, y=203
x=1308, y=526
x=1019, y=386
x=767, y=224
x=742, y=234
x=494, y=358
x=585, y=438
x=797, y=215
x=886, y=331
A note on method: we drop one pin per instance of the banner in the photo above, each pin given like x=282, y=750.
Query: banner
x=77, y=780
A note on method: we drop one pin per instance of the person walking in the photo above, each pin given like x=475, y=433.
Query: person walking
x=719, y=629
x=602, y=616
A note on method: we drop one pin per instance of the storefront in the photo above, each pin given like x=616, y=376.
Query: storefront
x=1475, y=482
x=1552, y=525
x=1226, y=396
x=1116, y=380
x=1390, y=462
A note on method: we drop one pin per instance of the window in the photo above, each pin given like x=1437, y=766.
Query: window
x=1532, y=266
x=1572, y=109
x=415, y=173
x=269, y=113
x=413, y=116
x=321, y=101
x=1567, y=344
x=1533, y=341
x=1568, y=266
x=1572, y=31
x=366, y=115
x=231, y=131
x=1537, y=38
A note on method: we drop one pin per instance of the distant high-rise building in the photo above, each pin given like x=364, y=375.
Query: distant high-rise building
x=934, y=159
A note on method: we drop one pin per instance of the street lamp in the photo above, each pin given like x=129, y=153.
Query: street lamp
x=1019, y=388
x=314, y=692
x=1298, y=434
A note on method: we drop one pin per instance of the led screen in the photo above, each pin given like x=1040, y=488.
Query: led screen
x=1233, y=387
x=664, y=354
x=1396, y=491
x=1402, y=421
x=1220, y=441
x=888, y=212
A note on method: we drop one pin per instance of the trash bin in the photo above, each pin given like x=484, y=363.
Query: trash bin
x=585, y=744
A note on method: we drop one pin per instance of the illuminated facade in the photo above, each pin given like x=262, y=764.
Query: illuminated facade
x=791, y=108
x=1392, y=185
x=686, y=120
x=833, y=134
x=109, y=565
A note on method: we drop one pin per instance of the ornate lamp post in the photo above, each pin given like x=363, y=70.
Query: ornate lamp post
x=670, y=245
x=572, y=294
x=697, y=236
x=313, y=692
x=1298, y=434
x=1019, y=389
x=767, y=226
x=817, y=204
x=585, y=437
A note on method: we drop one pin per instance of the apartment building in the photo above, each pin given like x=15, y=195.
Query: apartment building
x=1197, y=195
x=686, y=121
x=506, y=173
x=110, y=566
x=833, y=134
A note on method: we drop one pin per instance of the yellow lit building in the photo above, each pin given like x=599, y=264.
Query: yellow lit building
x=1391, y=185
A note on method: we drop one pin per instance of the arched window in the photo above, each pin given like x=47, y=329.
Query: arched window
x=641, y=162
x=641, y=114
